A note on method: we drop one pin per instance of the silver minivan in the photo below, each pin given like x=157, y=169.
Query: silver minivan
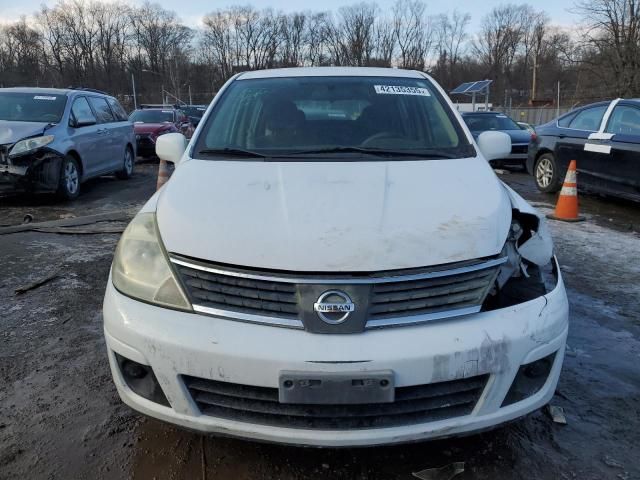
x=51, y=140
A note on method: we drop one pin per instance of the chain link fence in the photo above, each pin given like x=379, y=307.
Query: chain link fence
x=533, y=115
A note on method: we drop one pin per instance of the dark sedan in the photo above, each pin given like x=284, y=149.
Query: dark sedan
x=604, y=139
x=479, y=122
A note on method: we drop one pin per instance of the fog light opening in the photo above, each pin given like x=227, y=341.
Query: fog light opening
x=141, y=380
x=529, y=379
x=134, y=370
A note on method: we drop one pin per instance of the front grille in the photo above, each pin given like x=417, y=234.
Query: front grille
x=240, y=294
x=433, y=295
x=144, y=141
x=412, y=405
x=383, y=298
x=519, y=148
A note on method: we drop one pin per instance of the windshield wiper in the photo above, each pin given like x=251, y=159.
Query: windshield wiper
x=380, y=152
x=231, y=152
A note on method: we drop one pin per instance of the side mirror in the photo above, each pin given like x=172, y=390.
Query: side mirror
x=79, y=123
x=494, y=145
x=171, y=146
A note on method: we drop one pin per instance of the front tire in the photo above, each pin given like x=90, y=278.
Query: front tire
x=547, y=174
x=127, y=166
x=69, y=185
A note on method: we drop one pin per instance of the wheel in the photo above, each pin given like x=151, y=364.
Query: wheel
x=546, y=174
x=69, y=186
x=127, y=165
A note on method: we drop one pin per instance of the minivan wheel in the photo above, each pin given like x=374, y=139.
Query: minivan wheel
x=69, y=185
x=546, y=174
x=127, y=165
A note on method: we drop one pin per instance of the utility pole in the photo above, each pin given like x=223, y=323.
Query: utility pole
x=535, y=71
x=133, y=87
x=190, y=100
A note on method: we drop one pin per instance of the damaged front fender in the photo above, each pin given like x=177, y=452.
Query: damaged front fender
x=37, y=171
x=535, y=245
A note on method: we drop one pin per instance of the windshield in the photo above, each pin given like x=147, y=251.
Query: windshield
x=482, y=123
x=31, y=107
x=197, y=112
x=151, y=116
x=332, y=115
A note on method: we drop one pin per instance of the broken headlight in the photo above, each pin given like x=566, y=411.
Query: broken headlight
x=529, y=250
x=141, y=267
x=30, y=144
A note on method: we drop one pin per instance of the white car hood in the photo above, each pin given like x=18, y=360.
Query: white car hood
x=334, y=216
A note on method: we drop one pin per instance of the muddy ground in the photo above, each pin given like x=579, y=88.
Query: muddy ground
x=61, y=418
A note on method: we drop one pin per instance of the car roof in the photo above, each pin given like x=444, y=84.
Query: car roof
x=56, y=91
x=156, y=109
x=330, y=72
x=35, y=90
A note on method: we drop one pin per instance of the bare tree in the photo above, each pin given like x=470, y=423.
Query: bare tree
x=413, y=33
x=451, y=34
x=613, y=40
x=351, y=36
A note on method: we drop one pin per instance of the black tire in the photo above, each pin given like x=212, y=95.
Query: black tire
x=69, y=184
x=127, y=165
x=546, y=174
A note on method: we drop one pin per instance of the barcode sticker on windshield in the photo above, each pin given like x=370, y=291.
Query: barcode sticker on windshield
x=398, y=90
x=41, y=97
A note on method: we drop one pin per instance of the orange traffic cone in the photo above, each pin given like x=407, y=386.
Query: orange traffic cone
x=567, y=206
x=163, y=174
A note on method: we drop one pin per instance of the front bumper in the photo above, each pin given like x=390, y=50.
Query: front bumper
x=496, y=343
x=145, y=146
x=38, y=171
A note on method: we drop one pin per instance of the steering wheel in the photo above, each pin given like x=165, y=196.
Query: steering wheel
x=367, y=142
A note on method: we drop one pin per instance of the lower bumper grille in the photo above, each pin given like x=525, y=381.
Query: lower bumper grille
x=412, y=405
x=519, y=148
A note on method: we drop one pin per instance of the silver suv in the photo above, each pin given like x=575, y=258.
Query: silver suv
x=51, y=140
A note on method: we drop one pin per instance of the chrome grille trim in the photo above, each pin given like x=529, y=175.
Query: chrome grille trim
x=249, y=318
x=421, y=318
x=341, y=281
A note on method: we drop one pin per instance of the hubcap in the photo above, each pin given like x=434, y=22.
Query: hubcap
x=544, y=172
x=71, y=177
x=128, y=162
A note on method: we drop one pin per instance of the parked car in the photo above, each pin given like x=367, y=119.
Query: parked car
x=604, y=139
x=339, y=279
x=150, y=122
x=52, y=140
x=195, y=113
x=527, y=126
x=479, y=122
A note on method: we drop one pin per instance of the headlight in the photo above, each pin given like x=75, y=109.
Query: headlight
x=29, y=144
x=141, y=267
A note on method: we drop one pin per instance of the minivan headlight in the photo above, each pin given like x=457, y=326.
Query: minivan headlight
x=29, y=144
x=141, y=266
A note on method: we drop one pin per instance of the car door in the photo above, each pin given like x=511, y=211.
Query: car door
x=112, y=155
x=572, y=139
x=620, y=167
x=83, y=127
x=122, y=128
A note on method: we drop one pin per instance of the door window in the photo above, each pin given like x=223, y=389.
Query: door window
x=566, y=120
x=82, y=112
x=103, y=112
x=589, y=119
x=624, y=120
x=118, y=111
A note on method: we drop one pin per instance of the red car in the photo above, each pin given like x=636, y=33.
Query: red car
x=150, y=123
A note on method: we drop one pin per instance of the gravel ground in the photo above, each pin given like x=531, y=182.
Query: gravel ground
x=61, y=418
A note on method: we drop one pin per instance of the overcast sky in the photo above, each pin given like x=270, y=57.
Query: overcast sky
x=192, y=10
